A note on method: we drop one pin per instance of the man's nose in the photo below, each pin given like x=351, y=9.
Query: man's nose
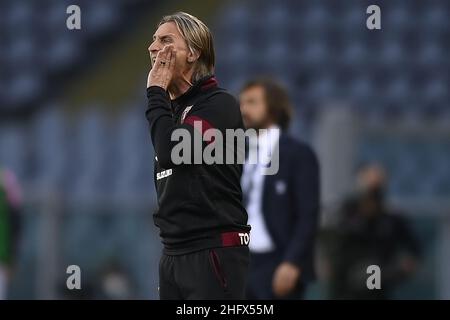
x=153, y=47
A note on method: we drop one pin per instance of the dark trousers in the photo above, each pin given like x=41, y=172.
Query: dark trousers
x=219, y=273
x=261, y=272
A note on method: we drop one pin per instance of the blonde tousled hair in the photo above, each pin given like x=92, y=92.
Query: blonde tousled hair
x=198, y=38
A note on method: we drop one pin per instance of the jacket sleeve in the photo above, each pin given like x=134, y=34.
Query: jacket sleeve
x=307, y=198
x=217, y=111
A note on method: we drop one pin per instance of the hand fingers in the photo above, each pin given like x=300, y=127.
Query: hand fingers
x=166, y=68
x=163, y=58
x=163, y=67
x=160, y=58
x=165, y=52
x=173, y=57
x=168, y=58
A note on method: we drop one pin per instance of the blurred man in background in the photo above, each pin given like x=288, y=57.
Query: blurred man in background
x=369, y=233
x=10, y=202
x=283, y=208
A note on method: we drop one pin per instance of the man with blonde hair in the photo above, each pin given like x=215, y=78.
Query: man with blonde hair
x=202, y=222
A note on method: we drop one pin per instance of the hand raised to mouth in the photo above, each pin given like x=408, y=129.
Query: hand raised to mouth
x=162, y=71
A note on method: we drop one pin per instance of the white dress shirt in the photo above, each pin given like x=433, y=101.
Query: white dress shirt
x=253, y=187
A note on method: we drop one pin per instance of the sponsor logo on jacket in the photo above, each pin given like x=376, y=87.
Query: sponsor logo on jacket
x=163, y=174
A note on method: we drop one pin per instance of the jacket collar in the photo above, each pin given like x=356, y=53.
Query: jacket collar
x=203, y=84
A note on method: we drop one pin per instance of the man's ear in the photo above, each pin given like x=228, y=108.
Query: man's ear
x=193, y=55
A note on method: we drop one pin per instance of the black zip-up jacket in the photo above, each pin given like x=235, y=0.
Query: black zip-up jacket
x=198, y=203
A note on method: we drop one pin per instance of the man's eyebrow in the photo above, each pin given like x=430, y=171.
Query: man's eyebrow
x=169, y=35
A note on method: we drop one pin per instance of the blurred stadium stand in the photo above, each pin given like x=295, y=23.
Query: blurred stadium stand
x=93, y=162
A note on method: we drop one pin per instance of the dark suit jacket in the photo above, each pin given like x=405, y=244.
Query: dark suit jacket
x=291, y=204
